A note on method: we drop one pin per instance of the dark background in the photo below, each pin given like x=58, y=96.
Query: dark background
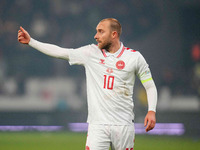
x=167, y=33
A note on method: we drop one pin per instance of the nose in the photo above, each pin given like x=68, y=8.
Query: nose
x=96, y=36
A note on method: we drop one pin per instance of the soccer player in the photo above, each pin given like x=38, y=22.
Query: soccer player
x=111, y=69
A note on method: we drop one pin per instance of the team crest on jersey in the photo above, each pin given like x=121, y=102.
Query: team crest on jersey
x=120, y=65
x=102, y=61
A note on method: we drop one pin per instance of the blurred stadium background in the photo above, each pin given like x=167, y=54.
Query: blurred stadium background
x=43, y=94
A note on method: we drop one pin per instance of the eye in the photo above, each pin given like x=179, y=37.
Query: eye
x=100, y=31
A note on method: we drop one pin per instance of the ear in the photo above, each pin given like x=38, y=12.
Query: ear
x=114, y=34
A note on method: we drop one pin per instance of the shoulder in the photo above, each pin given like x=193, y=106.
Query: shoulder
x=90, y=50
x=129, y=49
x=131, y=52
x=94, y=46
x=87, y=48
x=90, y=47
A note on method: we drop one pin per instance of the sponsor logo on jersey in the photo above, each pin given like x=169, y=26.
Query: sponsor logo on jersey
x=109, y=70
x=102, y=61
x=147, y=72
x=120, y=65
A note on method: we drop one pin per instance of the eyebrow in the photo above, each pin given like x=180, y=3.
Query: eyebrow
x=99, y=30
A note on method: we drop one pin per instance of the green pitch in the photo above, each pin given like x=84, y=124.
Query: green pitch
x=76, y=141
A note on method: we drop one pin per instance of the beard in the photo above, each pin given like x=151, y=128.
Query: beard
x=105, y=46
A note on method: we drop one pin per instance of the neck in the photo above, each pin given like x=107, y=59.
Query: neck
x=114, y=47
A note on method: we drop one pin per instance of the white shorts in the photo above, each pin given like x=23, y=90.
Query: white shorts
x=119, y=137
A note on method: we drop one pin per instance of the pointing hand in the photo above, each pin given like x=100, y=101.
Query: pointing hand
x=23, y=36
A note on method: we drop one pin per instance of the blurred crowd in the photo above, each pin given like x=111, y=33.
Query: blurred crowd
x=71, y=24
x=65, y=23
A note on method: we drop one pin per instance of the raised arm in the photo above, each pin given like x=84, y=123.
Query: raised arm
x=48, y=49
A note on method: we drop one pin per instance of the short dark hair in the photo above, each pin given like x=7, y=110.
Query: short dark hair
x=114, y=25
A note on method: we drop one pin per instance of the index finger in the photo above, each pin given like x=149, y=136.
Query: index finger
x=22, y=29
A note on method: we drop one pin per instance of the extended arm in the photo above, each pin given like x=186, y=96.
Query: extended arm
x=150, y=119
x=48, y=49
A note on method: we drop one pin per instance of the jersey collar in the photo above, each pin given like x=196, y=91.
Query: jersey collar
x=117, y=54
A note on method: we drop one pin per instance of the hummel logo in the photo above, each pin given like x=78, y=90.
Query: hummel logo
x=102, y=61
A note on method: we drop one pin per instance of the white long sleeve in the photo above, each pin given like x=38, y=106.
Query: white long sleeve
x=151, y=95
x=50, y=49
